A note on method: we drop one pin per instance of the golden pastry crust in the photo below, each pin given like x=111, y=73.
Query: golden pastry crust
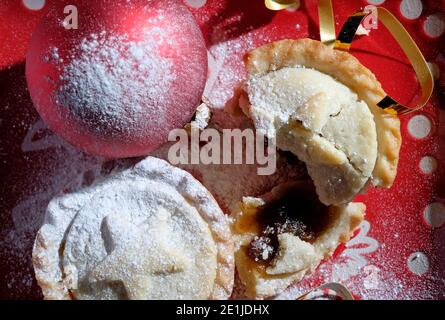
x=45, y=274
x=345, y=68
x=295, y=257
x=49, y=254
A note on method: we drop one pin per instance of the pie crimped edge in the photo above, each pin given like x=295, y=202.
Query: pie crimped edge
x=49, y=243
x=345, y=68
x=345, y=219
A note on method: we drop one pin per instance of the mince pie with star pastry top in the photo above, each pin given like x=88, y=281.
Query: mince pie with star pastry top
x=285, y=234
x=321, y=104
x=149, y=232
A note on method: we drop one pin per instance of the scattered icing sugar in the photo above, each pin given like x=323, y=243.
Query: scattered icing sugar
x=262, y=248
x=151, y=205
x=226, y=67
x=51, y=165
x=115, y=83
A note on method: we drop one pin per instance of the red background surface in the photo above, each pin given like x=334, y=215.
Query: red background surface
x=398, y=211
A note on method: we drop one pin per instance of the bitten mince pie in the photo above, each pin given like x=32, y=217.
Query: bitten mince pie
x=149, y=232
x=321, y=104
x=284, y=235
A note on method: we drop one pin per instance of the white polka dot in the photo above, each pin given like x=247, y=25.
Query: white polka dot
x=376, y=2
x=418, y=263
x=419, y=126
x=411, y=9
x=435, y=70
x=196, y=3
x=428, y=165
x=434, y=25
x=34, y=4
x=434, y=214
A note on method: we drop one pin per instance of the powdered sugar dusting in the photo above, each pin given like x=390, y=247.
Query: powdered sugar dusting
x=115, y=83
x=226, y=67
x=152, y=204
x=120, y=83
x=47, y=165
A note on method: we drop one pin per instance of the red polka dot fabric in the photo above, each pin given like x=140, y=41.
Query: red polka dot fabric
x=398, y=251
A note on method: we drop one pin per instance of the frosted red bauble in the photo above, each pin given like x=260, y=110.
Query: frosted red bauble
x=117, y=85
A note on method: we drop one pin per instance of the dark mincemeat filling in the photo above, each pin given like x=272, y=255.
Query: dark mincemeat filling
x=298, y=212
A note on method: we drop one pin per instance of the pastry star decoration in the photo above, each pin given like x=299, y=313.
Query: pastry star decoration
x=137, y=254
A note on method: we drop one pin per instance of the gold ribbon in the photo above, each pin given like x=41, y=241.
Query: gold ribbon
x=340, y=291
x=348, y=31
x=327, y=23
x=344, y=40
x=325, y=13
x=280, y=4
x=408, y=46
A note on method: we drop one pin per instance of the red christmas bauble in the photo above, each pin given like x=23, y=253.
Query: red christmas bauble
x=113, y=77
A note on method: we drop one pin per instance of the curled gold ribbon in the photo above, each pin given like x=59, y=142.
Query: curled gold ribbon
x=348, y=31
x=346, y=36
x=408, y=46
x=280, y=4
x=340, y=291
x=327, y=23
